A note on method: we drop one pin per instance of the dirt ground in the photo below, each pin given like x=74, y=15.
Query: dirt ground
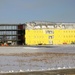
x=36, y=61
x=36, y=58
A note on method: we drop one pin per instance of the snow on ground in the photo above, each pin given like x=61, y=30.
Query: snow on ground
x=36, y=61
x=36, y=58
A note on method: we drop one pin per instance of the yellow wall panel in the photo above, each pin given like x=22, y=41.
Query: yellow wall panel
x=59, y=36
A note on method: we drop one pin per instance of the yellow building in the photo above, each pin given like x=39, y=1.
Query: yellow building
x=49, y=33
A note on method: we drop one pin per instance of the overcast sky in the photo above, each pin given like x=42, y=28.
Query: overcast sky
x=21, y=11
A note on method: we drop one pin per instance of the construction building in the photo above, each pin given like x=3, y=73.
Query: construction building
x=44, y=33
x=12, y=34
